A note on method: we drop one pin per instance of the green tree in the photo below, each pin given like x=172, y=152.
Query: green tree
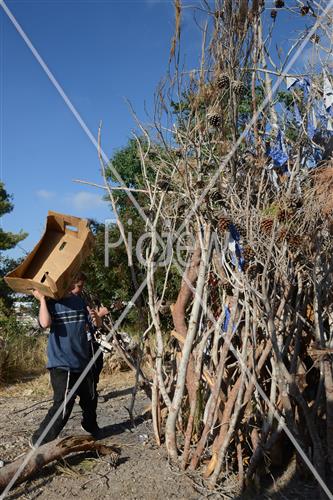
x=8, y=240
x=114, y=282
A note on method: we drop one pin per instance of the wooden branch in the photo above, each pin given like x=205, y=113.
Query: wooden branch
x=112, y=188
x=53, y=451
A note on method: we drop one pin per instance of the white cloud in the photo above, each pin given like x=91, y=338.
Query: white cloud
x=44, y=194
x=85, y=199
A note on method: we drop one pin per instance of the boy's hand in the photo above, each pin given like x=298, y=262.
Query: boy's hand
x=38, y=295
x=102, y=311
x=94, y=317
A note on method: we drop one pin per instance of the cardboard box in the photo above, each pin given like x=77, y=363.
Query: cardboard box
x=56, y=259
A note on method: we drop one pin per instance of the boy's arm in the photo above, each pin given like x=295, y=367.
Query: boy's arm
x=44, y=316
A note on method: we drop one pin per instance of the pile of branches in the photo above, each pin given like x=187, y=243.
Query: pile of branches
x=247, y=361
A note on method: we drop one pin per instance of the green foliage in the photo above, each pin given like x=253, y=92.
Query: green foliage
x=245, y=104
x=113, y=282
x=126, y=161
x=6, y=204
x=6, y=265
x=8, y=240
x=285, y=97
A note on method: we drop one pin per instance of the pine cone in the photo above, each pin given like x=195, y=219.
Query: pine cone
x=252, y=272
x=273, y=14
x=282, y=235
x=266, y=225
x=223, y=82
x=295, y=204
x=294, y=242
x=240, y=230
x=238, y=87
x=215, y=120
x=279, y=4
x=248, y=254
x=164, y=184
x=228, y=288
x=223, y=224
x=284, y=215
x=305, y=10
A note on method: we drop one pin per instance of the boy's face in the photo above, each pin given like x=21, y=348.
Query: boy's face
x=77, y=287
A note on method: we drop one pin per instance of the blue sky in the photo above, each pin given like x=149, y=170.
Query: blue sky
x=101, y=52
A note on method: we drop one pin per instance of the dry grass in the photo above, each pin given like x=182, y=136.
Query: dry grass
x=33, y=385
x=22, y=357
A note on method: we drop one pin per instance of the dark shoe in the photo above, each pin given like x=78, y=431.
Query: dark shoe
x=95, y=431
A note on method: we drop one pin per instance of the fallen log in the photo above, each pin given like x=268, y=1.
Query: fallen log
x=51, y=451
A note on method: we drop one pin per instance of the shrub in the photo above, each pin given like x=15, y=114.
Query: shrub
x=22, y=350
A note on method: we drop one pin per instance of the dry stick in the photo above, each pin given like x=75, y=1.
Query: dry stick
x=240, y=460
x=185, y=293
x=218, y=441
x=215, y=392
x=153, y=312
x=268, y=81
x=225, y=443
x=234, y=401
x=154, y=403
x=112, y=188
x=328, y=379
x=261, y=448
x=179, y=308
x=253, y=84
x=258, y=367
x=170, y=428
x=53, y=451
x=261, y=445
x=280, y=367
x=193, y=403
x=130, y=363
x=136, y=385
x=287, y=380
x=31, y=406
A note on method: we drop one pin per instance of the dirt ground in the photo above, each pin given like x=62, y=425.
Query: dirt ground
x=143, y=471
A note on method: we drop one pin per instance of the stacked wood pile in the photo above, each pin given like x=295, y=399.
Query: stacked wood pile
x=248, y=361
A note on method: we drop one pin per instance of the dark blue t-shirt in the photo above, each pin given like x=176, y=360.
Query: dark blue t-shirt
x=68, y=345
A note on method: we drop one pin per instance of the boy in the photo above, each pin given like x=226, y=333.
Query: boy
x=68, y=355
x=101, y=311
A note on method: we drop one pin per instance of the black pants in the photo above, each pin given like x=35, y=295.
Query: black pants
x=62, y=382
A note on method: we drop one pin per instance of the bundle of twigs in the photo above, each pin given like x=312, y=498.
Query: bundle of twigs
x=248, y=362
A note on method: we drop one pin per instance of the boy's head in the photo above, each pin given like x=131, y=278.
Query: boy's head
x=78, y=283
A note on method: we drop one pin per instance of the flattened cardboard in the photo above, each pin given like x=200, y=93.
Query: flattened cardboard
x=56, y=259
